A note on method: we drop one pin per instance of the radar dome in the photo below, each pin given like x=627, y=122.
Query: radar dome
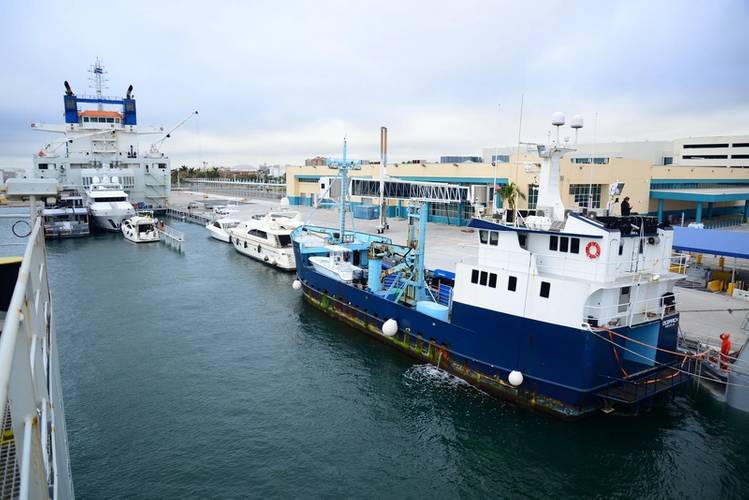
x=557, y=119
x=576, y=122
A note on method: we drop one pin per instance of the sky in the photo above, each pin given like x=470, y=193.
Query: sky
x=278, y=82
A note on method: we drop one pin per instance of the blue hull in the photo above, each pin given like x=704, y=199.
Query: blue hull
x=568, y=372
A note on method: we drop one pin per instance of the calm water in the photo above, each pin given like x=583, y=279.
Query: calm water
x=205, y=375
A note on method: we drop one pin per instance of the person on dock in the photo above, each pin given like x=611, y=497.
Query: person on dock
x=725, y=349
x=626, y=207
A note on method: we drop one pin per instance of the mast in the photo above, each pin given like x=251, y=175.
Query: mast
x=98, y=81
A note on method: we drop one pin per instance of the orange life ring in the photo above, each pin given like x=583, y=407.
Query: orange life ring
x=593, y=250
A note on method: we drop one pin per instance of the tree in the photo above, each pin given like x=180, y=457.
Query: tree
x=510, y=193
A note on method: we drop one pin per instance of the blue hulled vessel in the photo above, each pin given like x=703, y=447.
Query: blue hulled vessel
x=565, y=312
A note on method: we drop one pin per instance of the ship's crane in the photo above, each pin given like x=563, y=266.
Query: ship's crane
x=155, y=146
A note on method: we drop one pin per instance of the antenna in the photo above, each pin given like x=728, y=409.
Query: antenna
x=98, y=80
x=557, y=119
x=576, y=123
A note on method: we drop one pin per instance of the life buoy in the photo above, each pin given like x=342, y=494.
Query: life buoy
x=593, y=250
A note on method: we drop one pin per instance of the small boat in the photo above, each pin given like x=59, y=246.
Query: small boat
x=141, y=228
x=336, y=264
x=267, y=238
x=219, y=228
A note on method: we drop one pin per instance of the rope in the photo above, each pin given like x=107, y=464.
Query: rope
x=675, y=353
x=662, y=364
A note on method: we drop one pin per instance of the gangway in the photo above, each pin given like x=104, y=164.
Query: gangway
x=396, y=189
x=172, y=238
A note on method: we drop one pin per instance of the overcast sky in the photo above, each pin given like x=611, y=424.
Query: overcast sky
x=281, y=81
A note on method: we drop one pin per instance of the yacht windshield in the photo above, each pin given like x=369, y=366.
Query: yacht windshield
x=284, y=240
x=107, y=199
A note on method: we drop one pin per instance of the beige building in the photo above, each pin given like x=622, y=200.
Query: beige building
x=664, y=178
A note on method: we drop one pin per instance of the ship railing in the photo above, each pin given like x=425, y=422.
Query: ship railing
x=630, y=313
x=30, y=390
x=637, y=269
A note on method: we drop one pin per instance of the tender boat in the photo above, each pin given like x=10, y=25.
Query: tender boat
x=267, y=238
x=108, y=203
x=142, y=228
x=219, y=228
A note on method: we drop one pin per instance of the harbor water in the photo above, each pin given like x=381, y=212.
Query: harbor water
x=205, y=375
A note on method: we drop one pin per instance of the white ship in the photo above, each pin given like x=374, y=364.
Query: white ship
x=267, y=238
x=108, y=203
x=106, y=142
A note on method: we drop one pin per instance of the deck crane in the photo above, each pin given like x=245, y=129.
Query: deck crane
x=155, y=146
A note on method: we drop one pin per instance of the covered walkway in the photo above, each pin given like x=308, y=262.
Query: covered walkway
x=702, y=197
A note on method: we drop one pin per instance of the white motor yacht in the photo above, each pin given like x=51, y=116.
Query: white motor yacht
x=142, y=228
x=108, y=203
x=267, y=238
x=337, y=264
x=219, y=229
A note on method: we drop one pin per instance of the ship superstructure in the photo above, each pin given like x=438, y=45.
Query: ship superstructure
x=565, y=312
x=109, y=143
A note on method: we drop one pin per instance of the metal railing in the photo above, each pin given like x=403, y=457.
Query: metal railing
x=30, y=381
x=172, y=237
x=630, y=313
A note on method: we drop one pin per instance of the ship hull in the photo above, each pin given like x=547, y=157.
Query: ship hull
x=567, y=372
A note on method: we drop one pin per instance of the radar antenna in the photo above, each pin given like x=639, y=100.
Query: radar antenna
x=98, y=80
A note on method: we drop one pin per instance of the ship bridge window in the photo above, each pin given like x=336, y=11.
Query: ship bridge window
x=85, y=119
x=512, y=283
x=43, y=166
x=574, y=245
x=484, y=276
x=110, y=120
x=545, y=289
x=553, y=243
x=564, y=244
x=484, y=237
x=493, y=280
x=475, y=276
x=494, y=238
x=523, y=240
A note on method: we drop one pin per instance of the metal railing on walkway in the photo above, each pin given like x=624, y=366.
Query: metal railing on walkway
x=33, y=446
x=171, y=237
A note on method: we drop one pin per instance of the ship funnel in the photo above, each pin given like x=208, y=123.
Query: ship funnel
x=68, y=90
x=129, y=92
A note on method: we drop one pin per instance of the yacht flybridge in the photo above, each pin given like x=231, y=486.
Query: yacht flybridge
x=267, y=238
x=564, y=312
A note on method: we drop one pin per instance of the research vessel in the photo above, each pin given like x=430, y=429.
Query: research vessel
x=566, y=312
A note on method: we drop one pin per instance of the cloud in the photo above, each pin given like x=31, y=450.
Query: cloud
x=282, y=82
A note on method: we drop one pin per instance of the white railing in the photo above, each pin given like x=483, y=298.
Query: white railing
x=630, y=313
x=172, y=237
x=612, y=270
x=30, y=381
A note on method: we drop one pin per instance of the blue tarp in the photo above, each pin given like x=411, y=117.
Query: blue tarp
x=712, y=241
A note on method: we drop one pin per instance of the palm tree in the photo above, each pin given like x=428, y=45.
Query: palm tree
x=510, y=193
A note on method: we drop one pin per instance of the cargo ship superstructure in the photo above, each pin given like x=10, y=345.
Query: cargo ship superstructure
x=568, y=313
x=108, y=143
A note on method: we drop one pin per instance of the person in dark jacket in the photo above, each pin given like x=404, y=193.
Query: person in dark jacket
x=626, y=207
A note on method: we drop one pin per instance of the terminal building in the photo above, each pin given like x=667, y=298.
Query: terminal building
x=692, y=179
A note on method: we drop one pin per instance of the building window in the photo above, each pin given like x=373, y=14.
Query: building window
x=512, y=283
x=545, y=289
x=704, y=157
x=484, y=236
x=600, y=160
x=494, y=238
x=532, y=196
x=705, y=146
x=493, y=280
x=501, y=158
x=574, y=245
x=668, y=160
x=484, y=276
x=586, y=195
x=553, y=243
x=475, y=276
